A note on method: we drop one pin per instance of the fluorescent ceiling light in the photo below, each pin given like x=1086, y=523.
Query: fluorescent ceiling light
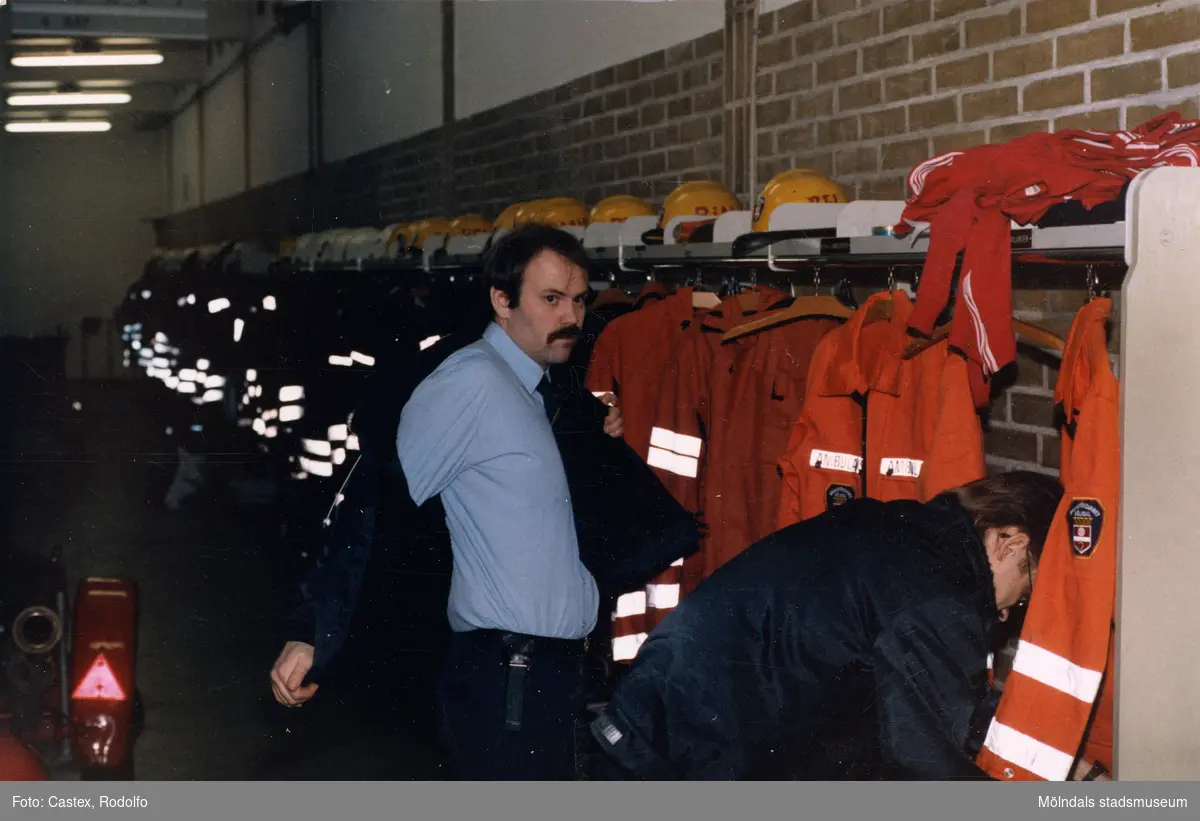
x=64, y=127
x=127, y=41
x=42, y=42
x=86, y=84
x=68, y=98
x=31, y=85
x=101, y=58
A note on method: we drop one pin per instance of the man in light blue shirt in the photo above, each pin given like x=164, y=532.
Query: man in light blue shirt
x=478, y=433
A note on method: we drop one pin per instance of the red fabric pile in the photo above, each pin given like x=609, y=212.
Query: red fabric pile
x=970, y=199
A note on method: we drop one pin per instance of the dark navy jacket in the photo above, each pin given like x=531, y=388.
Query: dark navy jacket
x=378, y=546
x=850, y=646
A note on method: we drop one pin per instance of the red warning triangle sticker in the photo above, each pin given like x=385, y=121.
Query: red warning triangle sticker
x=99, y=683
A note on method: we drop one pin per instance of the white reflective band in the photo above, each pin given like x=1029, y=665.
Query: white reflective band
x=270, y=413
x=1055, y=671
x=343, y=361
x=215, y=381
x=831, y=460
x=337, y=433
x=260, y=427
x=161, y=362
x=202, y=364
x=679, y=443
x=362, y=358
x=251, y=375
x=215, y=395
x=626, y=647
x=351, y=443
x=631, y=604
x=188, y=375
x=316, y=447
x=269, y=303
x=218, y=305
x=673, y=462
x=339, y=456
x=315, y=467
x=290, y=413
x=272, y=432
x=677, y=563
x=291, y=393
x=909, y=468
x=429, y=342
x=239, y=325
x=662, y=596
x=1025, y=751
x=991, y=661
x=187, y=387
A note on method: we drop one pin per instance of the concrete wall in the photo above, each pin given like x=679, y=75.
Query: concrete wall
x=505, y=51
x=383, y=73
x=74, y=227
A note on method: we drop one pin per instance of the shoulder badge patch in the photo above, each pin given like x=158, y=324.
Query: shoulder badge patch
x=838, y=495
x=1084, y=519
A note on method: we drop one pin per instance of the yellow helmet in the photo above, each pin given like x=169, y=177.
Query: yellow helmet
x=422, y=230
x=508, y=217
x=797, y=185
x=399, y=237
x=558, y=211
x=703, y=198
x=620, y=208
x=287, y=245
x=525, y=212
x=468, y=224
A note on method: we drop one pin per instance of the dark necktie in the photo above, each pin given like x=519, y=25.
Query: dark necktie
x=549, y=398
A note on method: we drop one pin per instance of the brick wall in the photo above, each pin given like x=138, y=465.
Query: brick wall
x=860, y=89
x=865, y=89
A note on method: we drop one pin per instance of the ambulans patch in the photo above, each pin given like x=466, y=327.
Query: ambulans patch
x=838, y=495
x=1084, y=519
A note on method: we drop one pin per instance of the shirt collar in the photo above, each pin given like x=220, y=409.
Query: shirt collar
x=528, y=372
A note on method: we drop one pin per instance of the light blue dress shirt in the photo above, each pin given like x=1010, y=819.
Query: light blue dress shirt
x=475, y=431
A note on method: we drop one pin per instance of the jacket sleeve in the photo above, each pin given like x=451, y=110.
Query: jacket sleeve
x=605, y=362
x=931, y=674
x=956, y=453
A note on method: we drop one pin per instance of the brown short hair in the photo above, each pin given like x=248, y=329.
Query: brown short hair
x=1019, y=498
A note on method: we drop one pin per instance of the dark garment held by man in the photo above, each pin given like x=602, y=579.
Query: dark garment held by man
x=852, y=645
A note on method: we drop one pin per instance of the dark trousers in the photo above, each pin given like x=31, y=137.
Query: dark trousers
x=501, y=723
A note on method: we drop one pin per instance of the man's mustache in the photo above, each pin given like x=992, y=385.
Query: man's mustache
x=569, y=332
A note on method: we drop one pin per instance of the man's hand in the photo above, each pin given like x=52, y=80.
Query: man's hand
x=289, y=671
x=614, y=424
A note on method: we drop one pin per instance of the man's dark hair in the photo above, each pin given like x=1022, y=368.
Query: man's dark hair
x=1020, y=498
x=505, y=262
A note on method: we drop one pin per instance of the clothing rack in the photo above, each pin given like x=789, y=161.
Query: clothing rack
x=1150, y=259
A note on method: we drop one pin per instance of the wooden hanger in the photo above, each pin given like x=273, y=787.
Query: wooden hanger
x=807, y=306
x=612, y=296
x=1030, y=333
